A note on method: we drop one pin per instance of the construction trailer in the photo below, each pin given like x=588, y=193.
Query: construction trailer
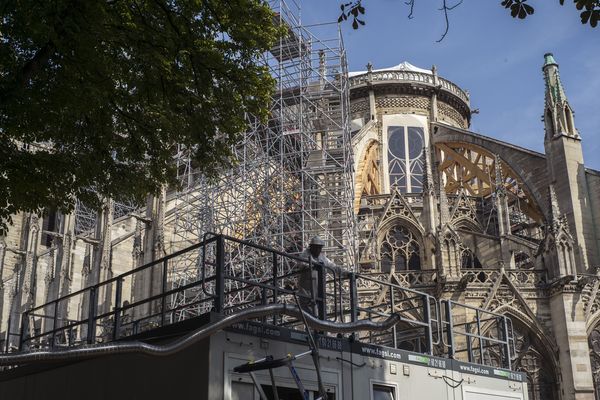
x=280, y=343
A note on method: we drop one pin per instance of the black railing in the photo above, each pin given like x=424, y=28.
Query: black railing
x=222, y=274
x=483, y=336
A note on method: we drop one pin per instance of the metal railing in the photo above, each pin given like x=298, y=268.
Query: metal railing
x=231, y=275
x=481, y=336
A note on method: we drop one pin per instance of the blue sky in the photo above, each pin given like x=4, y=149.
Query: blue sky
x=496, y=58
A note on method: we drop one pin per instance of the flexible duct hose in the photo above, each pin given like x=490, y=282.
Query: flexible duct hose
x=194, y=337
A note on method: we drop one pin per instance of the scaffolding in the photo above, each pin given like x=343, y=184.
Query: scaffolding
x=293, y=178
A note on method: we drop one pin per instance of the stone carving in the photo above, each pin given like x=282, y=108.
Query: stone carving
x=530, y=358
x=422, y=103
x=450, y=113
x=594, y=343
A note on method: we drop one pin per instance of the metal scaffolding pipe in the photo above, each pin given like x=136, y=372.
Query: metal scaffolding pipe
x=195, y=336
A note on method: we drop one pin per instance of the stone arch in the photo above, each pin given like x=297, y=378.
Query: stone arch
x=535, y=355
x=449, y=249
x=593, y=321
x=593, y=331
x=529, y=166
x=399, y=219
x=467, y=224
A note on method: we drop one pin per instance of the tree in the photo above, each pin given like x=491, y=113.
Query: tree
x=590, y=11
x=95, y=95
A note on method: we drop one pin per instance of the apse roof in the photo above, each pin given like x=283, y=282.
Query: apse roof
x=403, y=66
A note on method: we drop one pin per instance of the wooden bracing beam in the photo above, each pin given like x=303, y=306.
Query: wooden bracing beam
x=472, y=167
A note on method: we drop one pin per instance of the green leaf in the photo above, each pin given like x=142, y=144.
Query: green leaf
x=111, y=88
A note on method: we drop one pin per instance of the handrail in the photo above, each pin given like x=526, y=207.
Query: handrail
x=214, y=290
x=502, y=324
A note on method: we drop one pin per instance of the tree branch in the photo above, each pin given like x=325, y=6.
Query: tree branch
x=445, y=8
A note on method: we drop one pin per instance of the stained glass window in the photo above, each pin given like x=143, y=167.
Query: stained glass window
x=405, y=158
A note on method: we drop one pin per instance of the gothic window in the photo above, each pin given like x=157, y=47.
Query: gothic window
x=549, y=124
x=469, y=259
x=569, y=118
x=400, y=250
x=531, y=360
x=528, y=358
x=405, y=158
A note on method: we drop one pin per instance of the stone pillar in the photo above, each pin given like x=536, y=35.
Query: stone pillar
x=29, y=269
x=569, y=327
x=564, y=155
x=101, y=265
x=64, y=261
x=503, y=214
x=148, y=282
x=372, y=104
x=558, y=247
x=429, y=213
x=433, y=115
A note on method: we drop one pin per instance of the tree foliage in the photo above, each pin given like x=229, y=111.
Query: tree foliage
x=590, y=11
x=95, y=95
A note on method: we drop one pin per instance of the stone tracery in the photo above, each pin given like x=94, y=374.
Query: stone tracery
x=594, y=343
x=400, y=250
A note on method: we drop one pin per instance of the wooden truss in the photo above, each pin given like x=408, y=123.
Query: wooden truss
x=473, y=168
x=369, y=175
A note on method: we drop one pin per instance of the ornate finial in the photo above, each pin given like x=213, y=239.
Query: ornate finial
x=499, y=182
x=369, y=67
x=557, y=220
x=554, y=208
x=428, y=185
x=444, y=206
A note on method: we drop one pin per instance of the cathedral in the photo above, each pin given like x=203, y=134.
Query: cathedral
x=419, y=201
x=481, y=221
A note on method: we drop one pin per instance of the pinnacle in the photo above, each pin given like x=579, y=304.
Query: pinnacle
x=549, y=60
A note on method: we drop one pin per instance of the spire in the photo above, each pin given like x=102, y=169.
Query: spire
x=444, y=207
x=499, y=181
x=558, y=115
x=502, y=210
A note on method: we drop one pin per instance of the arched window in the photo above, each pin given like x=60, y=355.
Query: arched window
x=530, y=357
x=400, y=250
x=469, y=259
x=405, y=158
x=569, y=118
x=548, y=120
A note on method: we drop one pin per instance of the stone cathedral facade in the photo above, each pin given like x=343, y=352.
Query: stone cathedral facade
x=483, y=222
x=439, y=208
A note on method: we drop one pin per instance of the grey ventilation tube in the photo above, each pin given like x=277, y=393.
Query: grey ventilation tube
x=79, y=353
